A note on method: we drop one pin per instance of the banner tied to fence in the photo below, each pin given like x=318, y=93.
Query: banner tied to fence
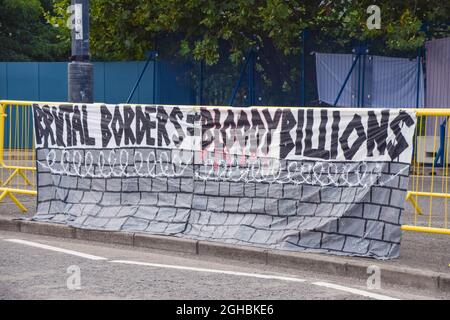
x=324, y=180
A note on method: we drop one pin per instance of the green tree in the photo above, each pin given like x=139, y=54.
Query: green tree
x=215, y=30
x=124, y=29
x=25, y=34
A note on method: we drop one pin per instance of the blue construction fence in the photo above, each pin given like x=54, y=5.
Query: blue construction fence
x=113, y=82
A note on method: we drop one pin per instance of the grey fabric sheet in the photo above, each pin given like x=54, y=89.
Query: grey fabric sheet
x=389, y=82
x=438, y=73
x=438, y=79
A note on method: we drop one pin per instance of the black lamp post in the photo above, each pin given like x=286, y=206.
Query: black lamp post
x=80, y=70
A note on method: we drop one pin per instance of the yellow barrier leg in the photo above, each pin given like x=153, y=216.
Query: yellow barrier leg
x=14, y=199
x=24, y=176
x=3, y=195
x=414, y=204
x=15, y=172
x=17, y=202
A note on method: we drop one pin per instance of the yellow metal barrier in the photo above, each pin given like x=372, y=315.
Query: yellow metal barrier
x=17, y=155
x=428, y=194
x=429, y=182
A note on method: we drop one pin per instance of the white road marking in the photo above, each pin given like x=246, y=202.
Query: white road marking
x=354, y=291
x=234, y=273
x=46, y=247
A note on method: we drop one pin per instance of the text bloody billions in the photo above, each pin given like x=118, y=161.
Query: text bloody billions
x=69, y=126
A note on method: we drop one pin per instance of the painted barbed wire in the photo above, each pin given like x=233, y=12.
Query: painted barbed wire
x=116, y=163
x=319, y=173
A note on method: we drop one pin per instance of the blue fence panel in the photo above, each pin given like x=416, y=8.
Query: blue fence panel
x=3, y=80
x=113, y=82
x=119, y=80
x=99, y=82
x=22, y=81
x=145, y=89
x=52, y=81
x=18, y=128
x=174, y=84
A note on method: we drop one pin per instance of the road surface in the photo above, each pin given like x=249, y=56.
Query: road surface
x=40, y=267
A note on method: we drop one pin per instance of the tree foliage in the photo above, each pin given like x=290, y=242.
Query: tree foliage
x=125, y=29
x=25, y=34
x=220, y=33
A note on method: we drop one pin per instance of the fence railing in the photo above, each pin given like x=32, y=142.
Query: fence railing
x=429, y=184
x=17, y=155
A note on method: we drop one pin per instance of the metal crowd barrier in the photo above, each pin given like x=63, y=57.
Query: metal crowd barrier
x=428, y=195
x=429, y=181
x=17, y=156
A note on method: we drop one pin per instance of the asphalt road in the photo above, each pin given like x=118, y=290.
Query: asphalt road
x=33, y=267
x=418, y=250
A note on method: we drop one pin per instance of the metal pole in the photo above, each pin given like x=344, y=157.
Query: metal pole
x=80, y=70
x=359, y=83
x=251, y=80
x=419, y=54
x=363, y=79
x=136, y=85
x=155, y=64
x=302, y=67
x=238, y=84
x=346, y=80
x=200, y=84
x=440, y=154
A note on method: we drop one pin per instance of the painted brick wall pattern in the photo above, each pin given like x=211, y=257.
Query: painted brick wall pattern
x=351, y=220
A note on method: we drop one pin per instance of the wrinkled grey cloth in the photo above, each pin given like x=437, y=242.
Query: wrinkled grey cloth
x=438, y=79
x=438, y=73
x=389, y=82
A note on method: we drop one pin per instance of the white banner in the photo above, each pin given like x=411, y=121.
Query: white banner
x=278, y=133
